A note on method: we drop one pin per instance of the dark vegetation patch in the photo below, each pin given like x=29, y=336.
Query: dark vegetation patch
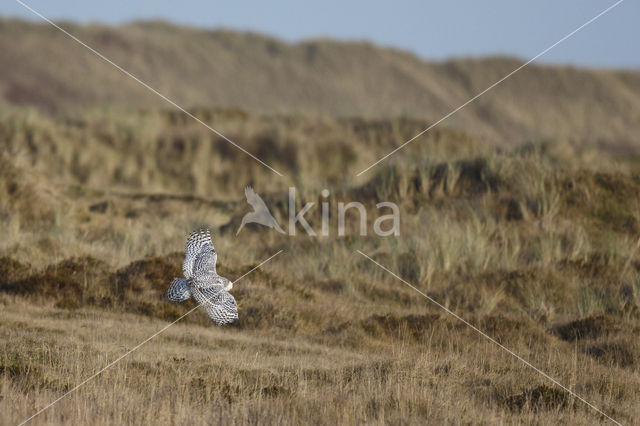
x=274, y=391
x=409, y=266
x=68, y=303
x=586, y=328
x=11, y=271
x=609, y=200
x=378, y=293
x=541, y=397
x=414, y=326
x=598, y=265
x=100, y=207
x=622, y=353
x=464, y=178
x=505, y=329
x=16, y=365
x=330, y=286
x=380, y=369
x=259, y=314
x=69, y=278
x=520, y=287
x=271, y=149
x=509, y=208
x=149, y=274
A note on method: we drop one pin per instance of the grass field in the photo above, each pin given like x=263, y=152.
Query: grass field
x=536, y=245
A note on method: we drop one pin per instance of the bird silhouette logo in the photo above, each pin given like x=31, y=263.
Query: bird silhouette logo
x=260, y=213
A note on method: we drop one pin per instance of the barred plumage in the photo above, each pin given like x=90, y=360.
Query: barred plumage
x=202, y=281
x=220, y=305
x=178, y=290
x=197, y=242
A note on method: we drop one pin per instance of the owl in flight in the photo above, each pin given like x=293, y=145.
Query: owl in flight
x=202, y=282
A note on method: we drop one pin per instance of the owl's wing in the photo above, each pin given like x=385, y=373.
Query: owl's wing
x=178, y=290
x=204, y=273
x=219, y=304
x=198, y=242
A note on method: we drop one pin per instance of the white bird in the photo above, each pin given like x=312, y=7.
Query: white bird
x=260, y=213
x=202, y=282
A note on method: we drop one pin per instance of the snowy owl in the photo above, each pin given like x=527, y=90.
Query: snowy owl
x=202, y=282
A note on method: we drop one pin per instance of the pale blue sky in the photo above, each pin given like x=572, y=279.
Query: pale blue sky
x=432, y=30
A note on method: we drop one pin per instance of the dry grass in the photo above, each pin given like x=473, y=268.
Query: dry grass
x=537, y=245
x=203, y=375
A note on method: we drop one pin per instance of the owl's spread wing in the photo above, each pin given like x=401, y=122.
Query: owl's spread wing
x=204, y=268
x=178, y=290
x=219, y=304
x=199, y=242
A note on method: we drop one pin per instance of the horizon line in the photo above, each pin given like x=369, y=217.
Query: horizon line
x=327, y=38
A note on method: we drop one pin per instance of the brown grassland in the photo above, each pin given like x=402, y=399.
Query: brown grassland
x=537, y=245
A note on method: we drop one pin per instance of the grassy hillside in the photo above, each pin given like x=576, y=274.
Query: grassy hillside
x=536, y=244
x=42, y=67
